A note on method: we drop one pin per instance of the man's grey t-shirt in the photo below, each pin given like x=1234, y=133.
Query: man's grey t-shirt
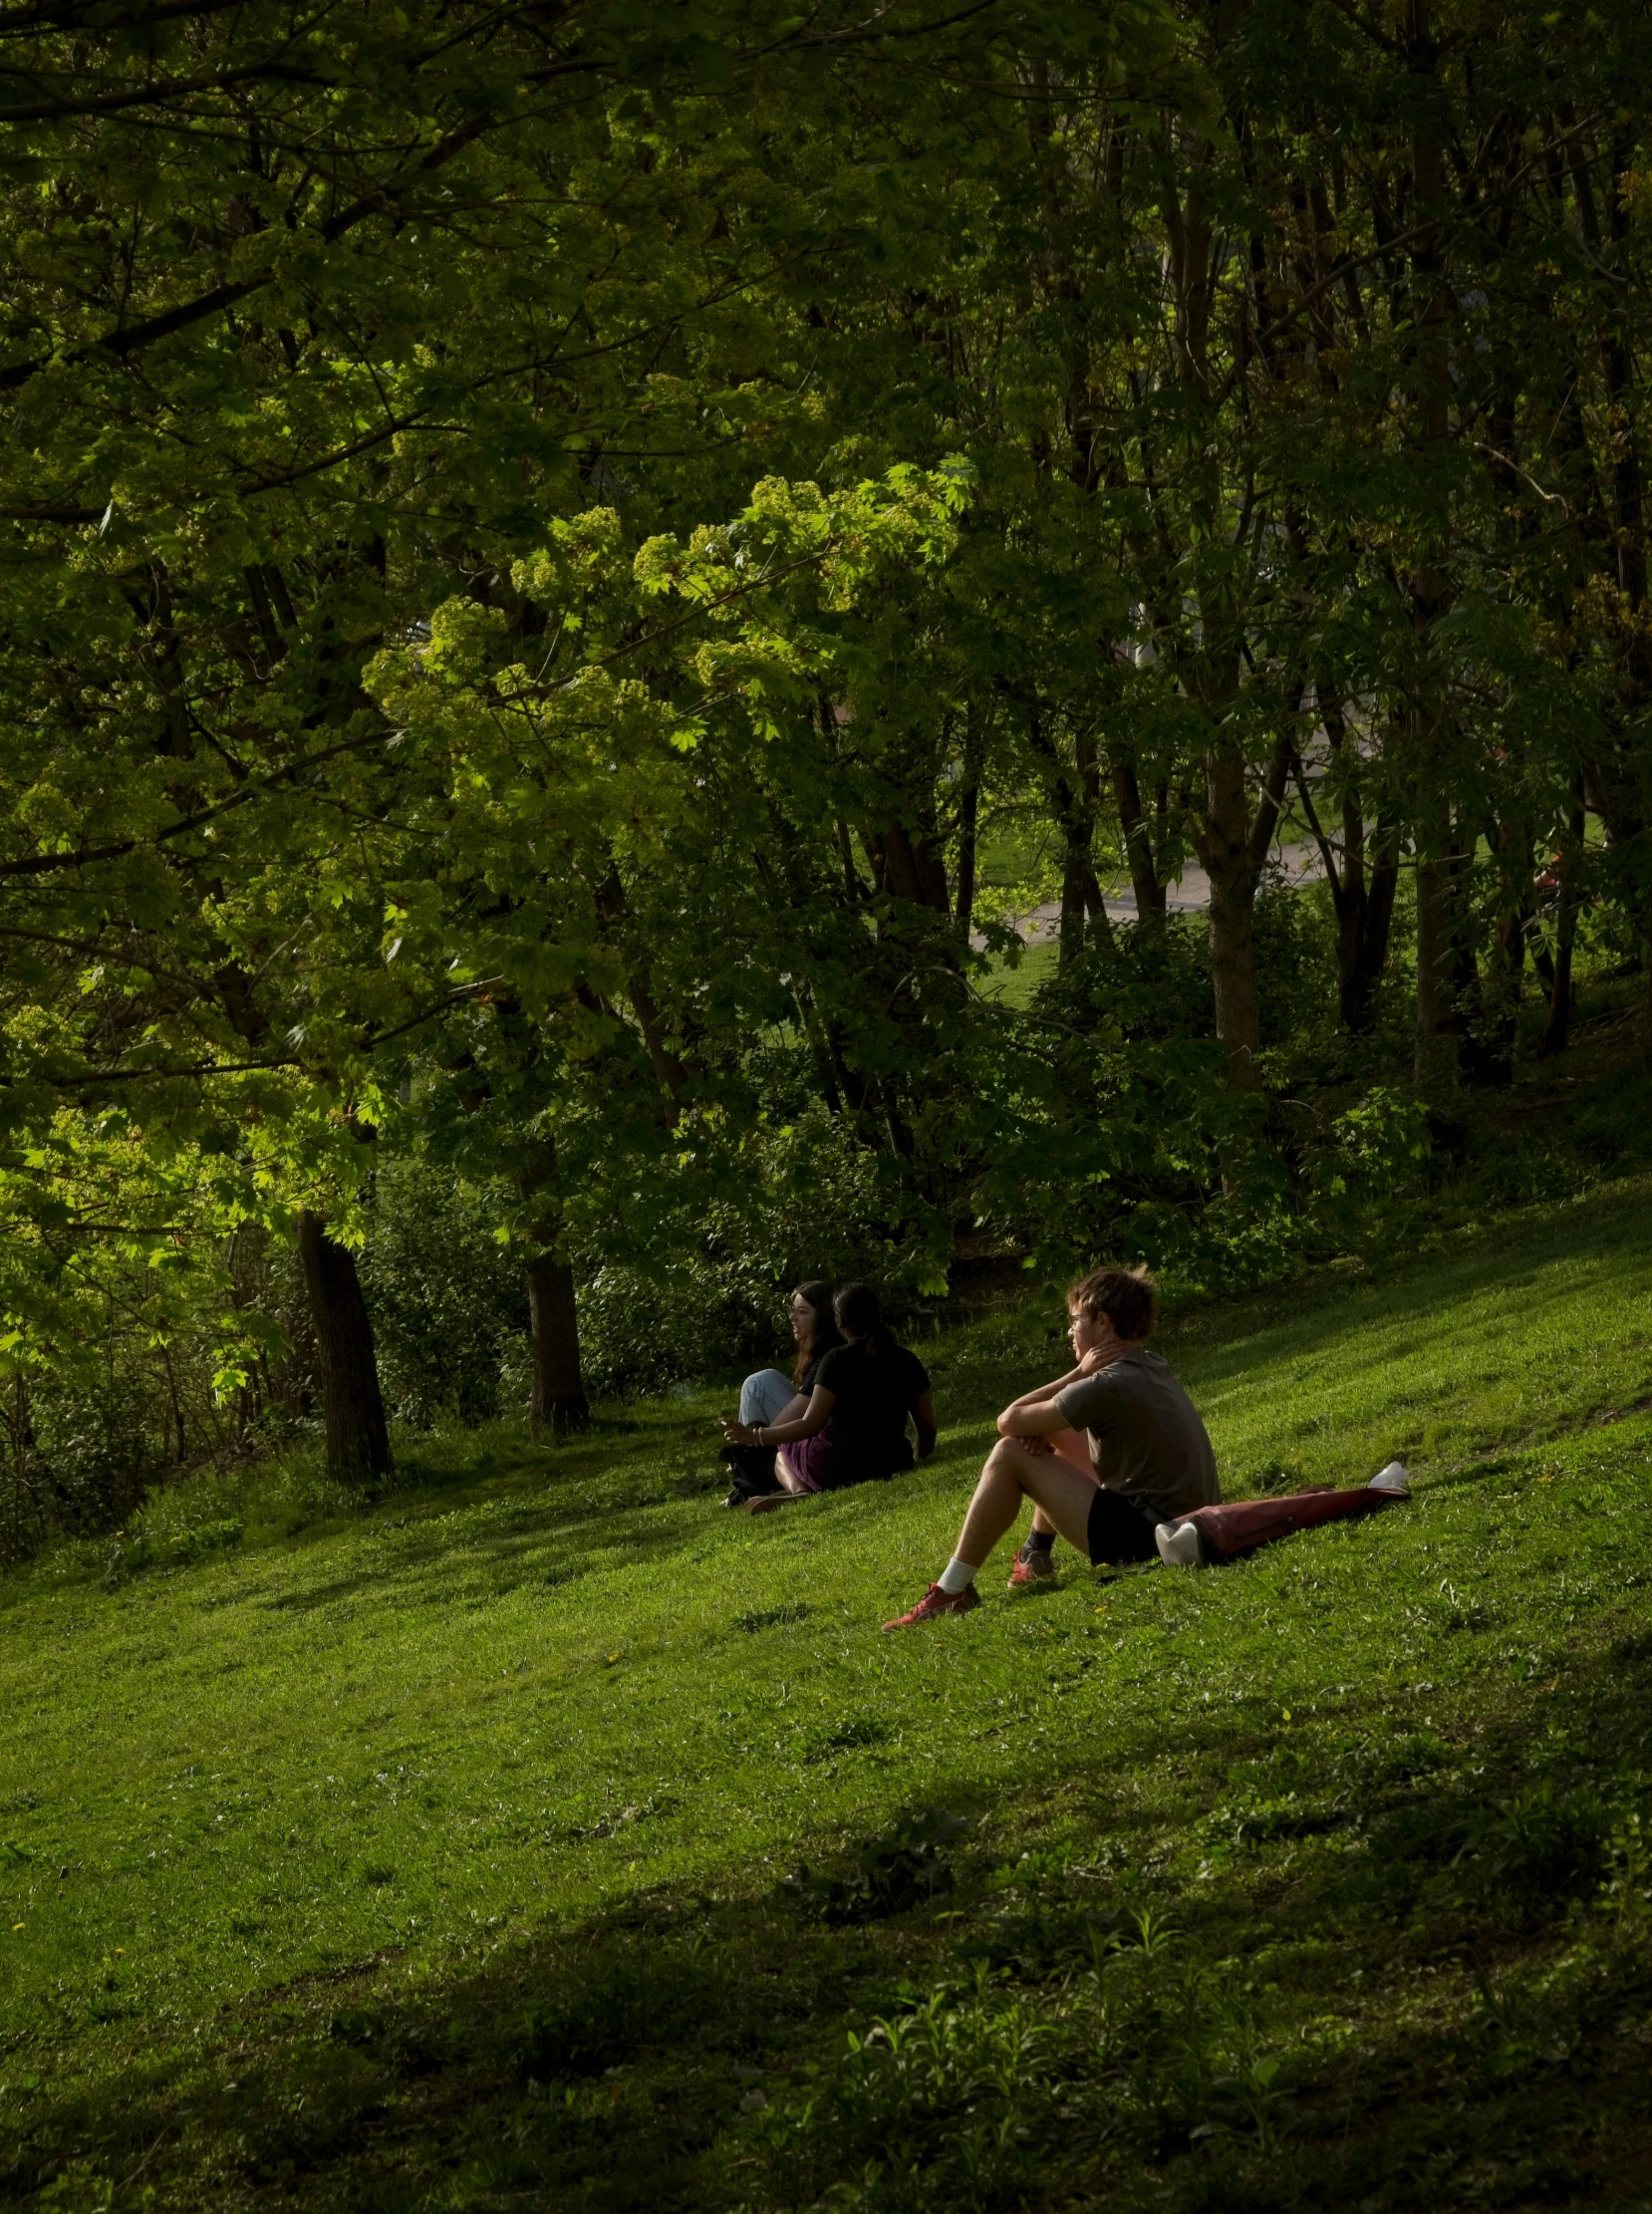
x=1146, y=1438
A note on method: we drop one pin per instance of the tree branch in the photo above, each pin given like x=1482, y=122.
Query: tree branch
x=42, y=864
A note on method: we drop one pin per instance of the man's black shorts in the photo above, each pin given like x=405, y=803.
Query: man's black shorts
x=1119, y=1532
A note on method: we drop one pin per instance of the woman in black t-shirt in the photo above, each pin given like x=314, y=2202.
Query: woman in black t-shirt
x=854, y=1429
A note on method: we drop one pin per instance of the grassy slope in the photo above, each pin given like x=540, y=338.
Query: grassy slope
x=300, y=1833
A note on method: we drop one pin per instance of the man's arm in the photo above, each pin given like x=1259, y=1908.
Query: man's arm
x=1039, y=1396
x=788, y=1429
x=1031, y=1418
x=922, y=1415
x=1036, y=1414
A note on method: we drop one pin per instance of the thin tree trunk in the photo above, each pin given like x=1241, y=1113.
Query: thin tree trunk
x=1436, y=1048
x=820, y=1048
x=557, y=1405
x=1505, y=981
x=852, y=883
x=1364, y=906
x=1097, y=918
x=968, y=813
x=1138, y=844
x=1435, y=1053
x=1233, y=847
x=1226, y=852
x=1074, y=819
x=358, y=1438
x=1074, y=904
x=1558, y=1025
x=180, y=1428
x=899, y=1138
x=1361, y=965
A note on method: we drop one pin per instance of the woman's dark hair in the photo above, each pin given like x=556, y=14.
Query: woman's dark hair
x=859, y=1315
x=823, y=1331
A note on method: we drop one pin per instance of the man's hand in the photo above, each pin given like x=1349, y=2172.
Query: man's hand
x=1107, y=1348
x=1041, y=1448
x=1032, y=1427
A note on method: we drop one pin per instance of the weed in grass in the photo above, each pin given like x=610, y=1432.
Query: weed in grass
x=772, y=1617
x=908, y=1866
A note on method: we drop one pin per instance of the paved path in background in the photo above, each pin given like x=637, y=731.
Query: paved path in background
x=1189, y=895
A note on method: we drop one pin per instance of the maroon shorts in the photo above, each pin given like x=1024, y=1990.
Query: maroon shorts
x=820, y=1464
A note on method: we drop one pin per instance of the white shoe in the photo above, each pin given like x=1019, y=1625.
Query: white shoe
x=1395, y=1479
x=1180, y=1544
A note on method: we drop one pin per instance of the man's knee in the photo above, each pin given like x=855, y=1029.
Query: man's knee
x=1006, y=1458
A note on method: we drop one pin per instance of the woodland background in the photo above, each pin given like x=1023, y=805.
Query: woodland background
x=571, y=574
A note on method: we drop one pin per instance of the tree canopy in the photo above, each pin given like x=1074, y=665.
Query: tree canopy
x=575, y=573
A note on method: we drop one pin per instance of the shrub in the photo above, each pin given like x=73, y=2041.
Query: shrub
x=448, y=1301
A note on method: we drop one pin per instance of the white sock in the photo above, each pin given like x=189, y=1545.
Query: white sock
x=957, y=1575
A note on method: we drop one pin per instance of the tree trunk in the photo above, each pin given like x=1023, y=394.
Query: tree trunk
x=1074, y=818
x=1558, y=1025
x=1363, y=930
x=1089, y=784
x=1364, y=906
x=1226, y=850
x=1436, y=1048
x=1505, y=981
x=819, y=1045
x=1138, y=844
x=909, y=868
x=1364, y=924
x=1071, y=939
x=557, y=1405
x=968, y=820
x=1435, y=1053
x=358, y=1439
x=968, y=811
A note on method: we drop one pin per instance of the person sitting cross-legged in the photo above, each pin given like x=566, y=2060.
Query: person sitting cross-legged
x=854, y=1427
x=770, y=1396
x=1145, y=1457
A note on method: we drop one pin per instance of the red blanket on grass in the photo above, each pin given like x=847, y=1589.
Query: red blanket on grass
x=1247, y=1523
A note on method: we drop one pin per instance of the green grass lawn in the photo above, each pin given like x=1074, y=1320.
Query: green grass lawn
x=544, y=1835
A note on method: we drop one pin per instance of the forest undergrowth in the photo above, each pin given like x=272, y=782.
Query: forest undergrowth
x=544, y=1835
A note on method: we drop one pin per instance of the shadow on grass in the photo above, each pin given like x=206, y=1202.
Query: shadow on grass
x=667, y=2054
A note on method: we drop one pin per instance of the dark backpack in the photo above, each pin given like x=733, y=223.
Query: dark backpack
x=752, y=1469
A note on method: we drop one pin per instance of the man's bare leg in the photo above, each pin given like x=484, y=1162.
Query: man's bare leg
x=1033, y=1563
x=1016, y=1471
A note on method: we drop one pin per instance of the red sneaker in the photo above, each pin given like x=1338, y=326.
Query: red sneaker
x=1031, y=1567
x=936, y=1601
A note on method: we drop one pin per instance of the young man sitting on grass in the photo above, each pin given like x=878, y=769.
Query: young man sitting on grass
x=1106, y=1452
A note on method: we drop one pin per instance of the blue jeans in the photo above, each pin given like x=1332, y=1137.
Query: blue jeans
x=763, y=1396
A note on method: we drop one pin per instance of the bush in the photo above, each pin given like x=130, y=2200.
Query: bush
x=78, y=1459
x=1137, y=987
x=448, y=1301
x=98, y=1453
x=711, y=1292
